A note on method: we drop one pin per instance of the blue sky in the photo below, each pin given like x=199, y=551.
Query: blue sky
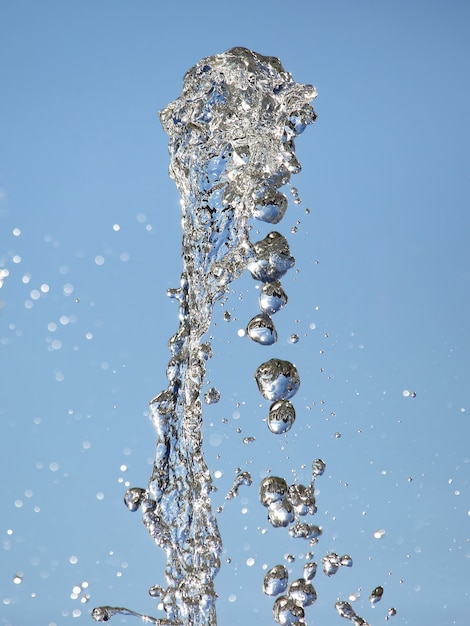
x=90, y=238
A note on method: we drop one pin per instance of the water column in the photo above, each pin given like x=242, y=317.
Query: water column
x=231, y=144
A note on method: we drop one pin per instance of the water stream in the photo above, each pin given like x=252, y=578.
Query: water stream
x=231, y=144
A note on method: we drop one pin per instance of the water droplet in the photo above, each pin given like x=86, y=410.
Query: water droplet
x=303, y=592
x=212, y=396
x=318, y=468
x=272, y=258
x=272, y=297
x=156, y=591
x=277, y=379
x=302, y=530
x=134, y=497
x=294, y=338
x=287, y=612
x=281, y=513
x=302, y=499
x=309, y=571
x=391, y=613
x=281, y=417
x=346, y=561
x=272, y=489
x=261, y=329
x=330, y=563
x=376, y=595
x=270, y=206
x=275, y=581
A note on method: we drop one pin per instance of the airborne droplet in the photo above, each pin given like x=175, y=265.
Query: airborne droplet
x=376, y=595
x=272, y=258
x=272, y=297
x=134, y=497
x=261, y=329
x=277, y=379
x=302, y=592
x=275, y=581
x=281, y=417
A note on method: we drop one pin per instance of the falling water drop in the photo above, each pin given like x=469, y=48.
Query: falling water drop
x=376, y=595
x=277, y=379
x=272, y=297
x=281, y=417
x=261, y=329
x=275, y=581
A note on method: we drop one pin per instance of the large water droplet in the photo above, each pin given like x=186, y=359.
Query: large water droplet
x=272, y=297
x=281, y=417
x=272, y=489
x=275, y=581
x=287, y=612
x=261, y=329
x=330, y=563
x=277, y=379
x=302, y=499
x=281, y=514
x=270, y=206
x=272, y=258
x=303, y=592
x=302, y=530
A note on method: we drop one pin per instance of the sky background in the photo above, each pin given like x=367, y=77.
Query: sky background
x=90, y=241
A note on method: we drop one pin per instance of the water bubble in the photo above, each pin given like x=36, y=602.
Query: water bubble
x=261, y=329
x=294, y=338
x=277, y=379
x=309, y=571
x=275, y=581
x=303, y=592
x=346, y=561
x=272, y=297
x=212, y=396
x=330, y=563
x=134, y=497
x=281, y=417
x=156, y=591
x=287, y=612
x=376, y=595
x=272, y=489
x=272, y=258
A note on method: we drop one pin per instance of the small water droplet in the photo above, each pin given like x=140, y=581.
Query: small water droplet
x=243, y=478
x=376, y=595
x=287, y=612
x=346, y=561
x=272, y=489
x=134, y=497
x=309, y=571
x=302, y=530
x=212, y=396
x=318, y=468
x=294, y=338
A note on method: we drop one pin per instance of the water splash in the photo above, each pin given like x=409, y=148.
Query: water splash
x=231, y=148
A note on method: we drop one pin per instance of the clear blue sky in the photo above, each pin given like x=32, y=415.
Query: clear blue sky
x=90, y=238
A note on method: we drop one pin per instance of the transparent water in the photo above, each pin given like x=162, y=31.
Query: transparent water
x=231, y=144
